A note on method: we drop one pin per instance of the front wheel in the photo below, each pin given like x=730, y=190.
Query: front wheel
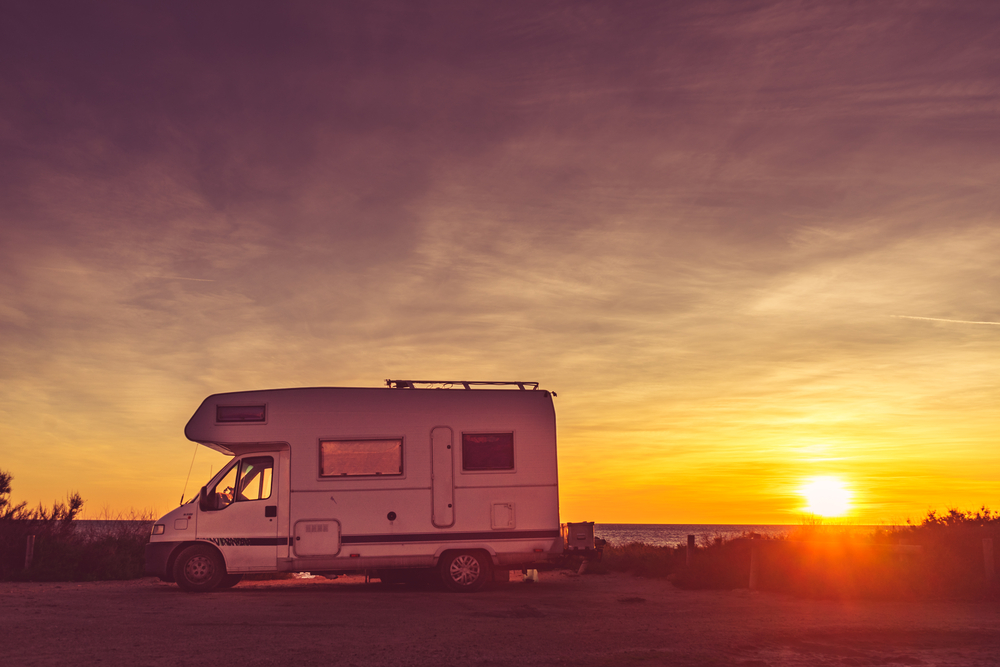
x=465, y=571
x=199, y=569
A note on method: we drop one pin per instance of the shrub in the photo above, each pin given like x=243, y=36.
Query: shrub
x=716, y=564
x=835, y=562
x=642, y=560
x=953, y=561
x=839, y=568
x=721, y=564
x=62, y=550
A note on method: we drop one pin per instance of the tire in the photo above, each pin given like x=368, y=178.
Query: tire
x=230, y=580
x=199, y=569
x=465, y=571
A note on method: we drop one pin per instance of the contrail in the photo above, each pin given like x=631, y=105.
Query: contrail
x=941, y=319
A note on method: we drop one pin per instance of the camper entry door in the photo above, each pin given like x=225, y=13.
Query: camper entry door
x=442, y=477
x=242, y=514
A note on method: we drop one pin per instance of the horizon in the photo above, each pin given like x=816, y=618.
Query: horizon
x=153, y=517
x=752, y=247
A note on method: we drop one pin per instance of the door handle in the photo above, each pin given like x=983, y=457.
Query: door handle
x=271, y=511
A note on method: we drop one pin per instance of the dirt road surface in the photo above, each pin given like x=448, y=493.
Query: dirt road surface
x=563, y=619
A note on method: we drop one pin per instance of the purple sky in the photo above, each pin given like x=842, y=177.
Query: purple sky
x=697, y=222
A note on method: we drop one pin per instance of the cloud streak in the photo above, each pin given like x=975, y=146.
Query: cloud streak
x=81, y=272
x=942, y=319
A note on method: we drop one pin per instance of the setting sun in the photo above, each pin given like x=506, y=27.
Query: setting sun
x=826, y=496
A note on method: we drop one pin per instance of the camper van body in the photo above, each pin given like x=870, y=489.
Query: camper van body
x=387, y=480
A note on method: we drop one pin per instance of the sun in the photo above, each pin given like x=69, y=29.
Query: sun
x=827, y=496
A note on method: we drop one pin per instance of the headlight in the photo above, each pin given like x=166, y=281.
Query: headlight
x=158, y=529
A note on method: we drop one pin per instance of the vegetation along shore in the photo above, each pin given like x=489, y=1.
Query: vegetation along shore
x=945, y=556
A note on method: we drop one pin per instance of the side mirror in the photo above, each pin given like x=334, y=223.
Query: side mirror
x=203, y=499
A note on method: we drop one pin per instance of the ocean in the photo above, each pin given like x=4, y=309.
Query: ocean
x=672, y=534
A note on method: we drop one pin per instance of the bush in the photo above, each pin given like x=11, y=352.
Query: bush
x=642, y=560
x=953, y=561
x=950, y=564
x=62, y=550
x=721, y=564
x=825, y=562
x=840, y=568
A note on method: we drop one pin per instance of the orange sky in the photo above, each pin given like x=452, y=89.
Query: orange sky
x=747, y=245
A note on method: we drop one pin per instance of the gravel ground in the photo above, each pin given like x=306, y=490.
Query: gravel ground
x=563, y=619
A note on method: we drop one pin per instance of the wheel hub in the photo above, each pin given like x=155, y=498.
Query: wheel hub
x=465, y=570
x=198, y=568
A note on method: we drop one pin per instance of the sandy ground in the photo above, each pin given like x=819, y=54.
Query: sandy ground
x=561, y=620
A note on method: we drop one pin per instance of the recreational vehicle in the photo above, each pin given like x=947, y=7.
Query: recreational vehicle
x=458, y=479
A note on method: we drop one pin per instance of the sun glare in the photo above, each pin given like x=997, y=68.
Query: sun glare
x=826, y=496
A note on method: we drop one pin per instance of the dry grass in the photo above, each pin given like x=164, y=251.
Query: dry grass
x=833, y=562
x=66, y=551
x=63, y=550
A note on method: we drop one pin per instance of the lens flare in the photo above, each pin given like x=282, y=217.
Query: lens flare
x=826, y=496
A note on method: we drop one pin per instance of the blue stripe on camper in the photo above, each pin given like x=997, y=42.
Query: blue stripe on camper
x=449, y=537
x=381, y=539
x=247, y=541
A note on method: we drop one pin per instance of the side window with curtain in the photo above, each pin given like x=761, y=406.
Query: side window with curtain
x=487, y=451
x=356, y=458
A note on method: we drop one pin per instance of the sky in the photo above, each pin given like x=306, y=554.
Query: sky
x=749, y=244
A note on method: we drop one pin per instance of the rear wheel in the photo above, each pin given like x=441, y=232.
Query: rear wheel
x=465, y=571
x=199, y=569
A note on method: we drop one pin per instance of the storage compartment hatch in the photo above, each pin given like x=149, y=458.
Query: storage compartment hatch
x=317, y=537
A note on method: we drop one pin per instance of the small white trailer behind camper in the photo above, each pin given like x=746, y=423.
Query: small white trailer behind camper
x=390, y=480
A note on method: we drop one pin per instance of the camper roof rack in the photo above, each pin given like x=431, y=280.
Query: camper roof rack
x=455, y=384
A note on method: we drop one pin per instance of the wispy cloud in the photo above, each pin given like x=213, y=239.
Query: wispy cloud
x=87, y=272
x=943, y=319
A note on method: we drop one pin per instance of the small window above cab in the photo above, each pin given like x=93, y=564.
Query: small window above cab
x=240, y=414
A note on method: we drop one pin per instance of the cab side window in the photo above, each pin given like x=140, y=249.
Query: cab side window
x=221, y=495
x=255, y=478
x=249, y=479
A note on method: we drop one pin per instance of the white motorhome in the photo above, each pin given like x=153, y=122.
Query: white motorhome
x=394, y=480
